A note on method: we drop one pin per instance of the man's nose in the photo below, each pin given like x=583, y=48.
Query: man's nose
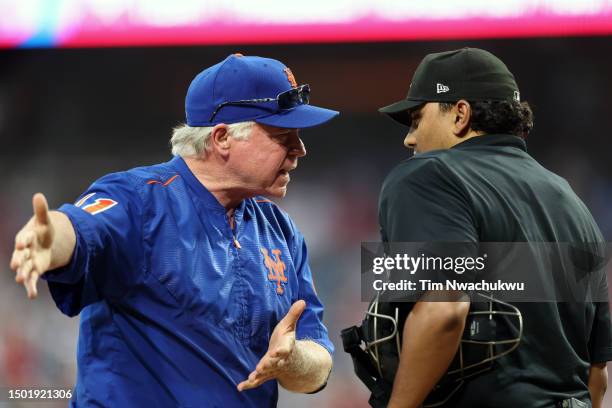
x=410, y=141
x=297, y=148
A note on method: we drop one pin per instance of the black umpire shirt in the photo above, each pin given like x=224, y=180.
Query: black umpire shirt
x=489, y=189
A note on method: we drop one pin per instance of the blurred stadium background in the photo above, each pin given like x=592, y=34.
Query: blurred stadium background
x=91, y=87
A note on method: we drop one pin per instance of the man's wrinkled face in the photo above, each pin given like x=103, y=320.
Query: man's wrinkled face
x=262, y=162
x=431, y=129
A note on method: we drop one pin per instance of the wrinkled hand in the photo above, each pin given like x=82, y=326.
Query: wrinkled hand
x=282, y=344
x=32, y=254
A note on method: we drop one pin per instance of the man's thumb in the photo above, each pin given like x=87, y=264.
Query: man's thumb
x=294, y=313
x=41, y=208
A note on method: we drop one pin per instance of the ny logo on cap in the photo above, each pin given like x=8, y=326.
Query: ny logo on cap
x=517, y=96
x=291, y=78
x=441, y=88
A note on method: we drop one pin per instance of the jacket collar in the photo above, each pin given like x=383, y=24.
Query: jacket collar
x=204, y=196
x=494, y=140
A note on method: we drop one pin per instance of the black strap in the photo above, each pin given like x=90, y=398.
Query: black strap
x=351, y=341
x=380, y=394
x=365, y=370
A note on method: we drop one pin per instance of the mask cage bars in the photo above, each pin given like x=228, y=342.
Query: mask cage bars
x=372, y=347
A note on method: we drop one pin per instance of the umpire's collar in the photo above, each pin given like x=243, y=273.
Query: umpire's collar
x=493, y=140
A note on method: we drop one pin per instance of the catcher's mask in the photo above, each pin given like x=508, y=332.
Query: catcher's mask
x=493, y=329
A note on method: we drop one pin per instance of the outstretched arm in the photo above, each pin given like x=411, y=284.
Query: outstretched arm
x=299, y=366
x=46, y=242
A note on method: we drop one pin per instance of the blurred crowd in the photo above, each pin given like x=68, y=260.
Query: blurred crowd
x=68, y=117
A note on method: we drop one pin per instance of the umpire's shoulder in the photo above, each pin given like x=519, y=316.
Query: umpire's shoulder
x=425, y=168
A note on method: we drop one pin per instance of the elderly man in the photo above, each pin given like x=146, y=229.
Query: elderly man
x=193, y=289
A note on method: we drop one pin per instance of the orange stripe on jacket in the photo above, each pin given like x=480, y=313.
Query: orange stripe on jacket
x=170, y=180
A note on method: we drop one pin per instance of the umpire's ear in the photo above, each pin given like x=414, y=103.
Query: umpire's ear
x=219, y=140
x=462, y=120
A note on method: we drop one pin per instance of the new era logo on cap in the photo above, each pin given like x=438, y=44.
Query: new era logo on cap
x=441, y=88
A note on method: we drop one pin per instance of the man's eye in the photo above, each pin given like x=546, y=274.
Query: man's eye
x=280, y=138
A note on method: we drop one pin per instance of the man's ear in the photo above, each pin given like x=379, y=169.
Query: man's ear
x=463, y=116
x=220, y=139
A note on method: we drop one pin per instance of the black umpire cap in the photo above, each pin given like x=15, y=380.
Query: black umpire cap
x=469, y=73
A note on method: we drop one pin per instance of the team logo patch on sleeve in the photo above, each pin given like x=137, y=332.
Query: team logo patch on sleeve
x=95, y=206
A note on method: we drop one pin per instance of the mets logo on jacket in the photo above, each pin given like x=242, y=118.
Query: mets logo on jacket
x=276, y=268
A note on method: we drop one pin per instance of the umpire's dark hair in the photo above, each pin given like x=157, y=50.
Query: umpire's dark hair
x=510, y=117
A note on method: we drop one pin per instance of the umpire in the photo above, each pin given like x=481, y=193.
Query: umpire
x=472, y=180
x=193, y=289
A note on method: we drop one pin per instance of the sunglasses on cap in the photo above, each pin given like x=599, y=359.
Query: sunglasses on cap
x=285, y=100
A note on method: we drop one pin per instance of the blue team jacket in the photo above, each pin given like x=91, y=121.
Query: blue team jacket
x=176, y=308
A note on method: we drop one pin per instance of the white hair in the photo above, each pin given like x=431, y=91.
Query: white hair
x=193, y=141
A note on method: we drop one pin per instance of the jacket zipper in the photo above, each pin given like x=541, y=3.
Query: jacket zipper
x=232, y=225
x=236, y=243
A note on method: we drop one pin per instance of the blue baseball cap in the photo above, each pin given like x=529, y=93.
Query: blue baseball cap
x=248, y=88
